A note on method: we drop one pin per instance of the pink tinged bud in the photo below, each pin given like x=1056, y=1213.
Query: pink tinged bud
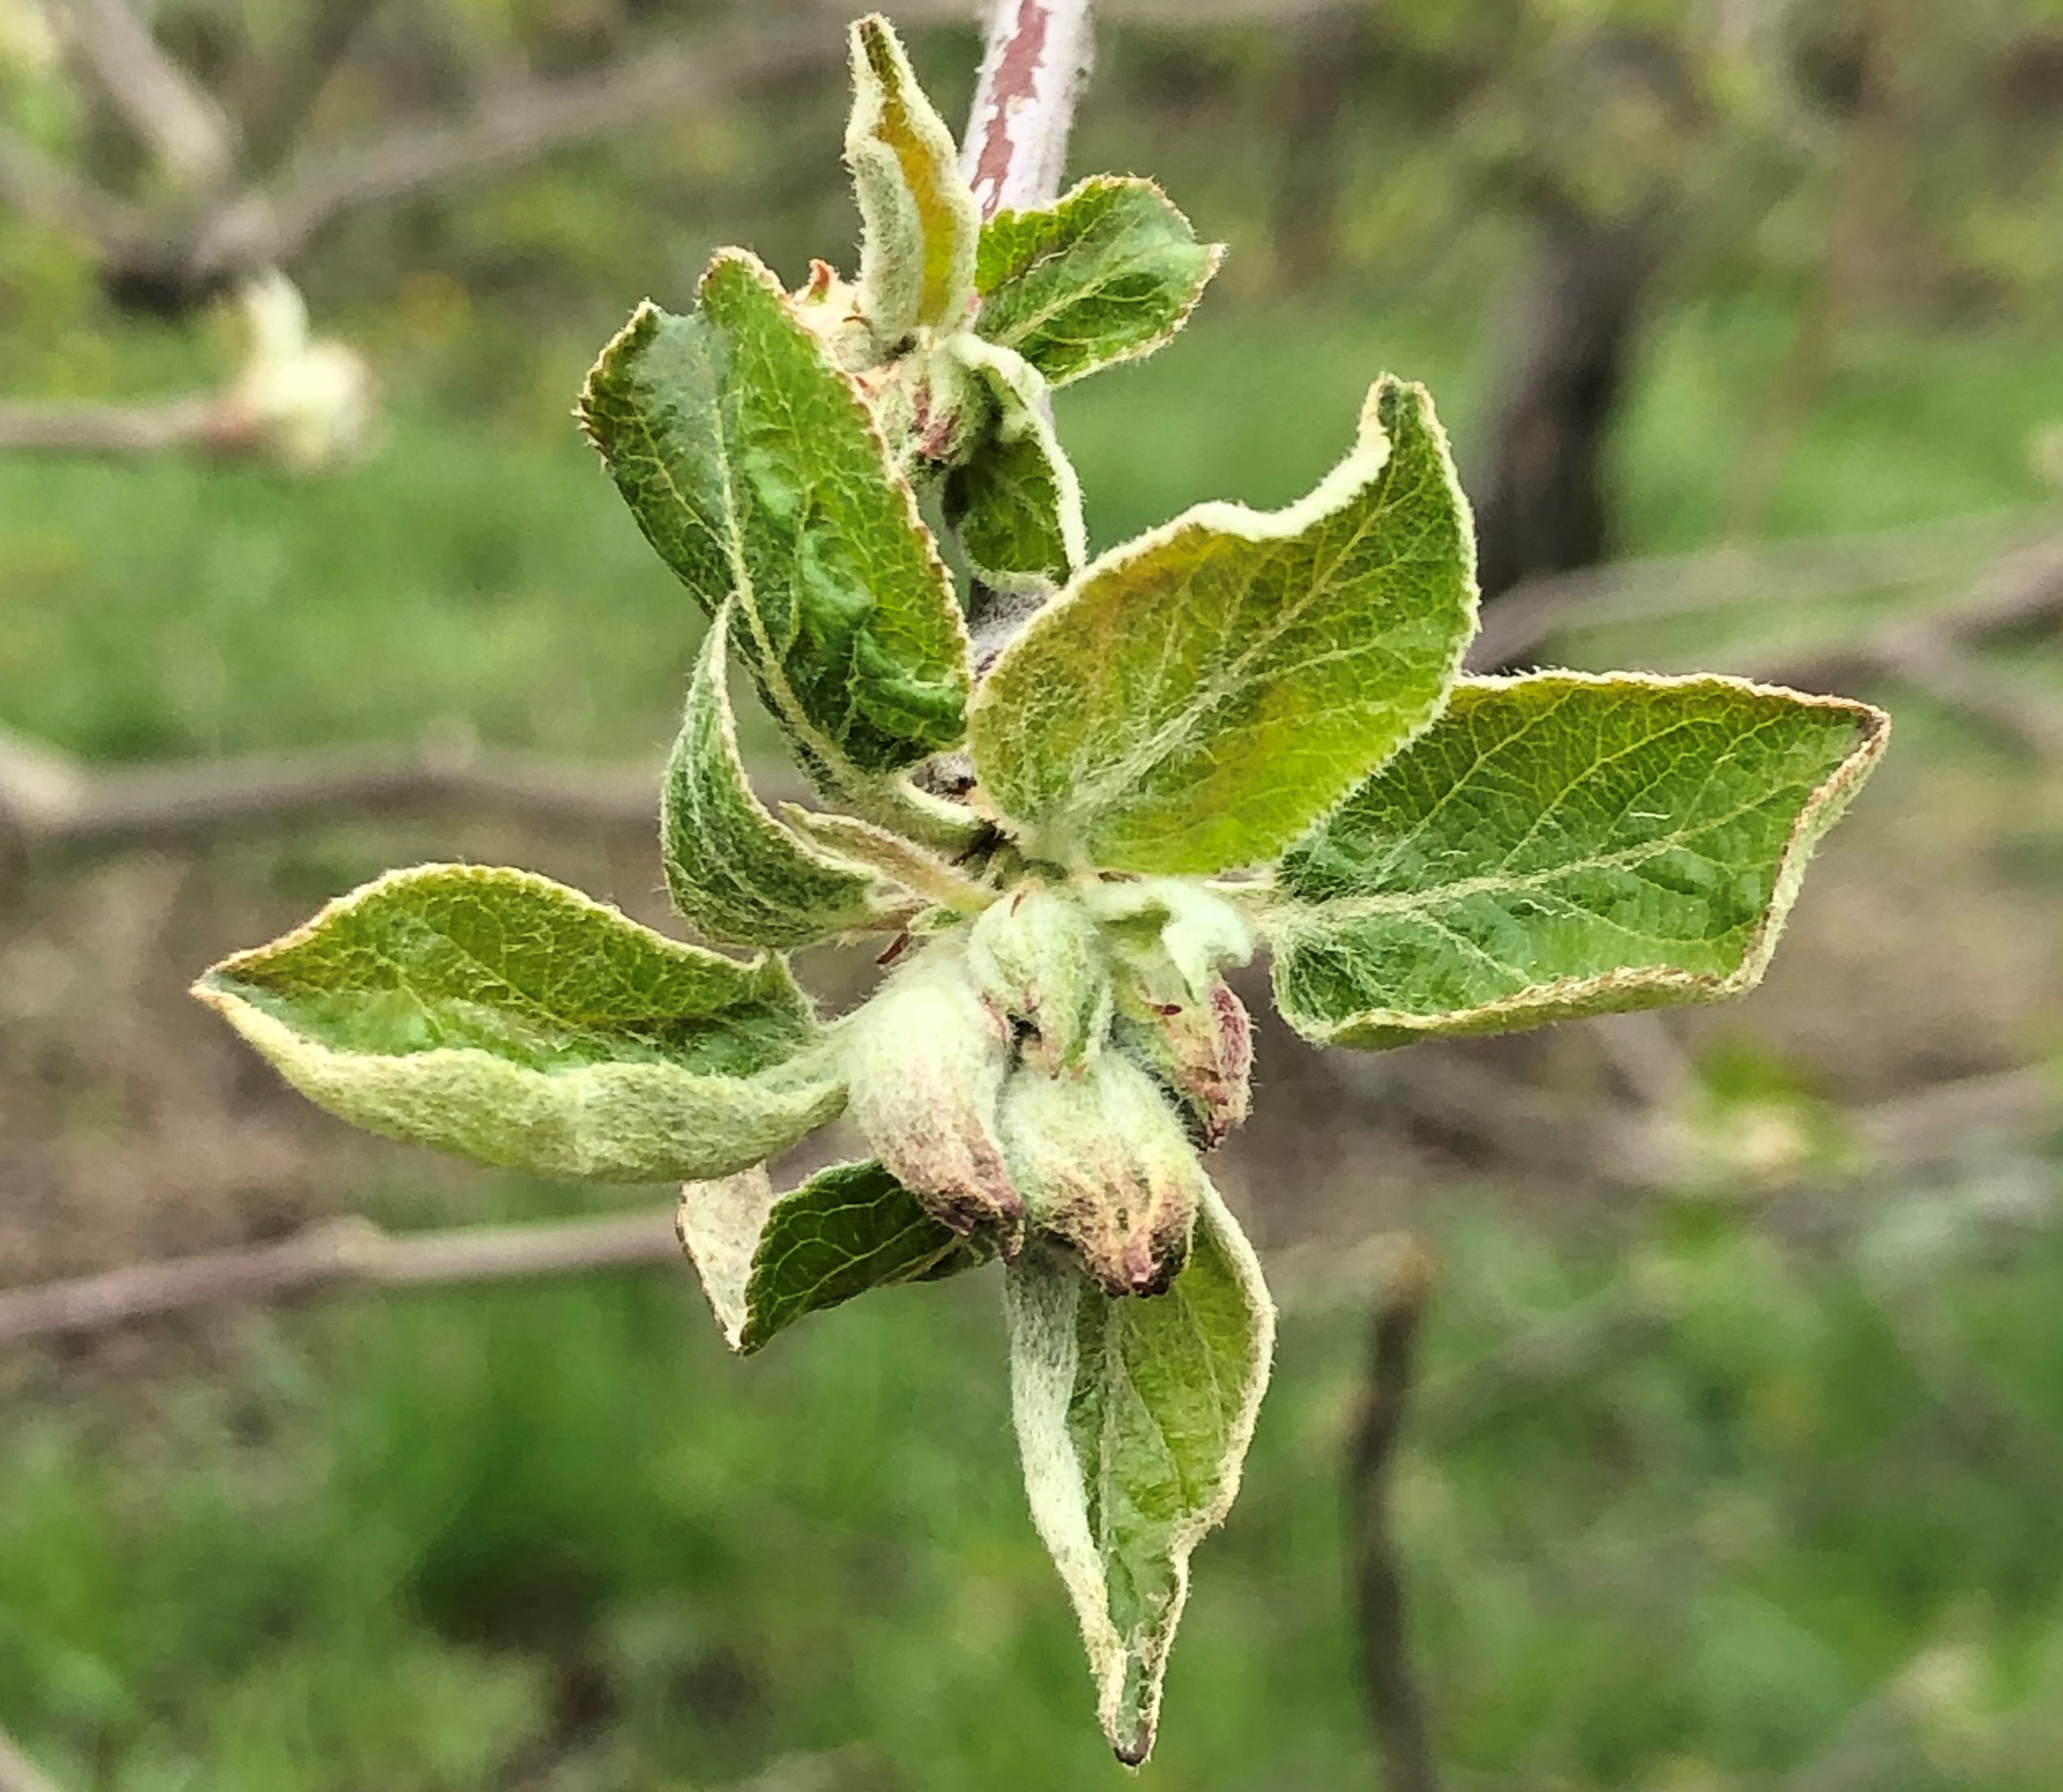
x=1202, y=1050
x=1105, y=1169
x=926, y=1062
x=1039, y=958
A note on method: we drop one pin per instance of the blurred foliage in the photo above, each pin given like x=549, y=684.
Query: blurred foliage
x=1734, y=118
x=551, y=1536
x=481, y=565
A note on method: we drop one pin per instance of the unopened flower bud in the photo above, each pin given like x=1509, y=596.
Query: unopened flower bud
x=1106, y=1167
x=1174, y=1013
x=926, y=1060
x=1203, y=1051
x=829, y=308
x=1039, y=956
x=1195, y=931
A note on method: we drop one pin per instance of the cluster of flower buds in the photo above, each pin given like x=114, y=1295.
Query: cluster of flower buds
x=1049, y=1071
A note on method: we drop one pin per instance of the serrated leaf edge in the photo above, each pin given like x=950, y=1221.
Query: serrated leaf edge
x=1363, y=464
x=768, y=970
x=1277, y=916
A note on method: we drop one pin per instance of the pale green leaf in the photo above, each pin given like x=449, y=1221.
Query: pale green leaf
x=1562, y=844
x=767, y=1261
x=919, y=222
x=1133, y=1419
x=734, y=871
x=900, y=860
x=1106, y=274
x=1199, y=697
x=501, y=1015
x=754, y=466
x=1014, y=502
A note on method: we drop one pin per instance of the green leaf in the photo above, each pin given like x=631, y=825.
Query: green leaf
x=754, y=466
x=734, y=871
x=1133, y=1419
x=1562, y=844
x=918, y=221
x=1014, y=502
x=1107, y=274
x=501, y=1015
x=766, y=1261
x=1199, y=697
x=860, y=843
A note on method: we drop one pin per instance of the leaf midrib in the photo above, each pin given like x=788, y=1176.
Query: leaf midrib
x=1225, y=684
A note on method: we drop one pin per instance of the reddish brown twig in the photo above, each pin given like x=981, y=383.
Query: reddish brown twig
x=1016, y=146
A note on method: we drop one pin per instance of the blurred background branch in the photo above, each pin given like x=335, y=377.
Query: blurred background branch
x=1390, y=1680
x=343, y=1252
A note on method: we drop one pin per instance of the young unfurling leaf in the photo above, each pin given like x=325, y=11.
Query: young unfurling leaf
x=919, y=220
x=1108, y=273
x=768, y=1261
x=1014, y=500
x=1133, y=1419
x=1562, y=844
x=501, y=1015
x=732, y=869
x=1197, y=698
x=754, y=465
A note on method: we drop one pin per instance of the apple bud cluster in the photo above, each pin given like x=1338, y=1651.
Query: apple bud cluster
x=1049, y=1069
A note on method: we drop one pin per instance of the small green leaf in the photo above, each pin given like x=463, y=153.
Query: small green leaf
x=1197, y=697
x=1133, y=1419
x=1014, y=502
x=734, y=871
x=1562, y=844
x=754, y=466
x=1107, y=274
x=766, y=1261
x=918, y=221
x=501, y=1015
